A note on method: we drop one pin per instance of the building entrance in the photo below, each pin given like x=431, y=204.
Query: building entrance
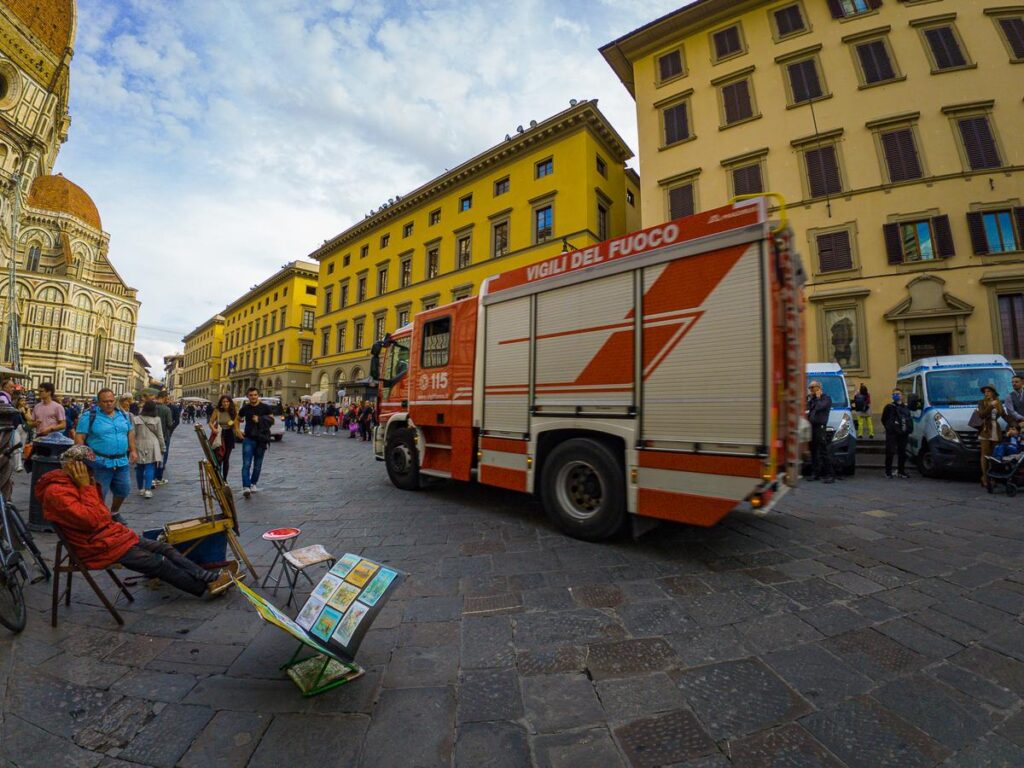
x=930, y=345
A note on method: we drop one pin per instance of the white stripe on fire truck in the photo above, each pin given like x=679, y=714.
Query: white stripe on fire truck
x=503, y=459
x=696, y=483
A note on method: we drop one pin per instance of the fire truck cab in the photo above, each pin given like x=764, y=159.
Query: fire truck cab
x=659, y=374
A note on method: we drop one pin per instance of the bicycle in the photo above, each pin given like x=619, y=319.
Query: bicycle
x=15, y=537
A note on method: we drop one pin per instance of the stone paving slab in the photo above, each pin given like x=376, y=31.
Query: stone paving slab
x=857, y=626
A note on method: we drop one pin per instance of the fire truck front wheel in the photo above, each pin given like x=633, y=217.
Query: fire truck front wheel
x=583, y=489
x=402, y=459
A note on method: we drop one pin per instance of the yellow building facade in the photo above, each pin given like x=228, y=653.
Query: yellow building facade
x=198, y=372
x=892, y=129
x=556, y=184
x=268, y=335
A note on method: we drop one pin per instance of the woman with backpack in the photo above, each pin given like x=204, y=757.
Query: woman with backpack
x=862, y=412
x=149, y=444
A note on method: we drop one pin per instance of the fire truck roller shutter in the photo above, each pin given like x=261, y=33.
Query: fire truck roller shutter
x=507, y=367
x=585, y=340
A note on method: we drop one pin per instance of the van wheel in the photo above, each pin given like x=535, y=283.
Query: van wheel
x=402, y=459
x=583, y=489
x=925, y=463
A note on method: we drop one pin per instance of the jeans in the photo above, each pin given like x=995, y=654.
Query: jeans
x=227, y=438
x=164, y=562
x=163, y=466
x=116, y=479
x=895, y=447
x=144, y=474
x=252, y=461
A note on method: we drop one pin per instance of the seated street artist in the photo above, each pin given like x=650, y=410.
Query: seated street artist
x=71, y=498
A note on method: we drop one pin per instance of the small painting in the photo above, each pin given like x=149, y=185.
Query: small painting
x=328, y=584
x=345, y=564
x=325, y=625
x=343, y=597
x=362, y=573
x=347, y=627
x=309, y=613
x=378, y=586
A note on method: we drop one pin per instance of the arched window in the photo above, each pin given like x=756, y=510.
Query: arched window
x=325, y=383
x=32, y=259
x=51, y=295
x=357, y=373
x=126, y=316
x=82, y=301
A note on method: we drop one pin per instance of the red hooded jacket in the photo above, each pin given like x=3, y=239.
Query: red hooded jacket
x=84, y=519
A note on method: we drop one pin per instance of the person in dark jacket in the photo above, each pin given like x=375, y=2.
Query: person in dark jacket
x=819, y=405
x=898, y=424
x=71, y=499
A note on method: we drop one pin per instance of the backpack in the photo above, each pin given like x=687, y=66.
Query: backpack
x=91, y=413
x=860, y=402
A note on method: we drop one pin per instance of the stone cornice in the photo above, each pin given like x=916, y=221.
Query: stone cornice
x=292, y=269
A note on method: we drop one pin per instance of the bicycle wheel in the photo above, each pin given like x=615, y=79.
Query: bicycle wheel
x=25, y=535
x=12, y=602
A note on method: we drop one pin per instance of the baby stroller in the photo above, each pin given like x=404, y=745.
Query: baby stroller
x=1008, y=470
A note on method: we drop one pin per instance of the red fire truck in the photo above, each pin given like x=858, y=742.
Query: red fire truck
x=656, y=375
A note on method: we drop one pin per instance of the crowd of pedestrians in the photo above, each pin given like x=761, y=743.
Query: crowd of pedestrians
x=357, y=419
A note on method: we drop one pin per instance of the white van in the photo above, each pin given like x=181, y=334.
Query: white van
x=842, y=435
x=277, y=429
x=942, y=393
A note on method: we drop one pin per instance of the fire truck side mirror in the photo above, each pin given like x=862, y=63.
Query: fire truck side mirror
x=375, y=363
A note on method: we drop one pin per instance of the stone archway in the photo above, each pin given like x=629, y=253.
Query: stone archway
x=929, y=321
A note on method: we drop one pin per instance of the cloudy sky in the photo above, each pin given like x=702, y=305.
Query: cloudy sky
x=221, y=139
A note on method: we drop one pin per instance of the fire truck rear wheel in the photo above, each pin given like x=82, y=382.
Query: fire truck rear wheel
x=402, y=459
x=583, y=489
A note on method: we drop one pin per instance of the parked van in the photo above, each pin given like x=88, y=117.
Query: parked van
x=842, y=435
x=277, y=429
x=942, y=393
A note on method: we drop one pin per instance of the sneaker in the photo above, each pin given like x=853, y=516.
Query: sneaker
x=253, y=488
x=829, y=480
x=889, y=475
x=220, y=584
x=903, y=476
x=142, y=491
x=246, y=491
x=147, y=494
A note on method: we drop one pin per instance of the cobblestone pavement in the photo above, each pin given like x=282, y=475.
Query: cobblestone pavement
x=868, y=623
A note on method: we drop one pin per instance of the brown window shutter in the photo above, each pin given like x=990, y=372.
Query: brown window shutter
x=901, y=155
x=976, y=226
x=979, y=144
x=747, y=180
x=670, y=65
x=677, y=125
x=943, y=237
x=1014, y=31
x=736, y=99
x=893, y=243
x=680, y=202
x=836, y=9
x=803, y=79
x=1018, y=214
x=945, y=47
x=834, y=252
x=875, y=62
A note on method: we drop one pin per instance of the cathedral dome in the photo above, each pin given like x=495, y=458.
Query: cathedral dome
x=55, y=193
x=51, y=21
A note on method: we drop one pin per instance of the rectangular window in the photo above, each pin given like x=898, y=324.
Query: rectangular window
x=727, y=42
x=993, y=231
x=407, y=230
x=875, y=63
x=602, y=166
x=346, y=259
x=358, y=337
x=280, y=352
x=325, y=341
x=846, y=8
x=305, y=353
x=270, y=355
x=382, y=281
x=804, y=82
x=834, y=253
x=263, y=357
x=328, y=303
x=339, y=339
x=788, y=21
x=435, y=217
x=307, y=319
x=670, y=65
x=1011, y=323
x=501, y=186
x=543, y=219
x=499, y=239
x=403, y=318
x=676, y=123
x=979, y=143
x=343, y=299
x=901, y=158
x=463, y=252
x=364, y=251
x=602, y=222
x=405, y=273
x=379, y=327
x=681, y=201
x=1012, y=28
x=433, y=263
x=544, y=168
x=746, y=180
x=945, y=48
x=384, y=240
x=822, y=165
x=909, y=242
x=273, y=323
x=437, y=336
x=736, y=102
x=465, y=203
x=361, y=288
x=330, y=271
x=630, y=197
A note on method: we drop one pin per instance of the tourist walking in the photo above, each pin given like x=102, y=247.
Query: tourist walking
x=331, y=419
x=257, y=418
x=110, y=433
x=225, y=419
x=862, y=412
x=987, y=416
x=71, y=413
x=170, y=417
x=898, y=424
x=819, y=406
x=149, y=443
x=47, y=413
x=316, y=418
x=366, y=421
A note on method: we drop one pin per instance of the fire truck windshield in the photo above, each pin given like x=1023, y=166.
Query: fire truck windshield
x=398, y=360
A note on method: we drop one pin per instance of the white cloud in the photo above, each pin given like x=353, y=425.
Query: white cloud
x=221, y=140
